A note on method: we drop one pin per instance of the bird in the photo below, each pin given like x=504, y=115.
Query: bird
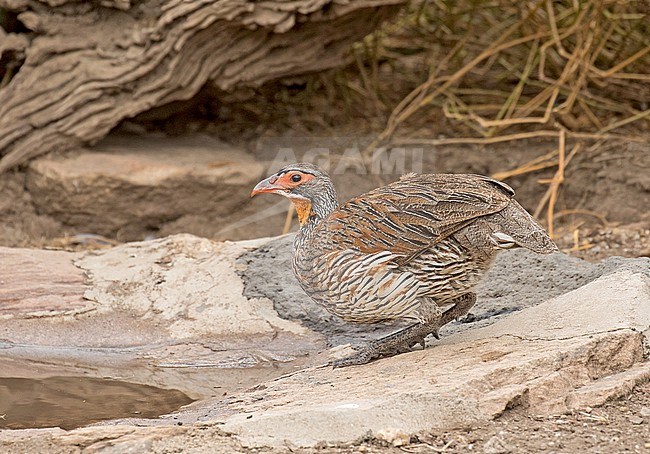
x=410, y=251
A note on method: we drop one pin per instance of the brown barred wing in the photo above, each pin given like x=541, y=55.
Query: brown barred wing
x=413, y=214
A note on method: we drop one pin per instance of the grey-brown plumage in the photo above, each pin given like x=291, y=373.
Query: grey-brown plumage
x=407, y=250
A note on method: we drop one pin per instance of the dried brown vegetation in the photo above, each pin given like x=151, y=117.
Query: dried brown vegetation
x=499, y=71
x=503, y=67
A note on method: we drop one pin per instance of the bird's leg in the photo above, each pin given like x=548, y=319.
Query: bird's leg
x=390, y=345
x=401, y=341
x=461, y=307
x=398, y=342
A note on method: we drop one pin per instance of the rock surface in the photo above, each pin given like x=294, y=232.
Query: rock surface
x=549, y=334
x=548, y=359
x=131, y=185
x=35, y=283
x=168, y=312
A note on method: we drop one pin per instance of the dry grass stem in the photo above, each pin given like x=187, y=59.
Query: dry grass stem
x=538, y=163
x=288, y=220
x=519, y=136
x=602, y=219
x=558, y=179
x=550, y=196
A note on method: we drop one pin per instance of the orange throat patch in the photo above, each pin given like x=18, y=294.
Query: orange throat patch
x=303, y=208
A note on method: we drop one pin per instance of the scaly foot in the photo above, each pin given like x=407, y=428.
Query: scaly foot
x=399, y=342
x=402, y=341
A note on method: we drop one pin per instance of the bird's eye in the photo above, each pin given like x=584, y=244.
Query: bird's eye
x=296, y=178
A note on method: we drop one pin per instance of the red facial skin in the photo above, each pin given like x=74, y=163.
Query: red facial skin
x=280, y=183
x=283, y=185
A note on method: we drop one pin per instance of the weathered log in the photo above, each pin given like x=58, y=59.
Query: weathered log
x=91, y=64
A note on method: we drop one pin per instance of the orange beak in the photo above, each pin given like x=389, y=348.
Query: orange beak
x=268, y=185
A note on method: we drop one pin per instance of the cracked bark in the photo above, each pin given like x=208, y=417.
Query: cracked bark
x=91, y=64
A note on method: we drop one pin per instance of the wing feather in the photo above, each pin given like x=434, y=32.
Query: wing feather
x=414, y=213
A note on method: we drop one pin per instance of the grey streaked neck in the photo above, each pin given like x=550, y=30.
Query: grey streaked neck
x=322, y=205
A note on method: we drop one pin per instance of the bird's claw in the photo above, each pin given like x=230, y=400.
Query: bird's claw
x=363, y=354
x=366, y=352
x=420, y=340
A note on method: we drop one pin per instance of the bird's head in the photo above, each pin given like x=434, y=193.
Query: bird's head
x=309, y=188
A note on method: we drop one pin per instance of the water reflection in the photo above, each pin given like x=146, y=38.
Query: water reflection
x=70, y=402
